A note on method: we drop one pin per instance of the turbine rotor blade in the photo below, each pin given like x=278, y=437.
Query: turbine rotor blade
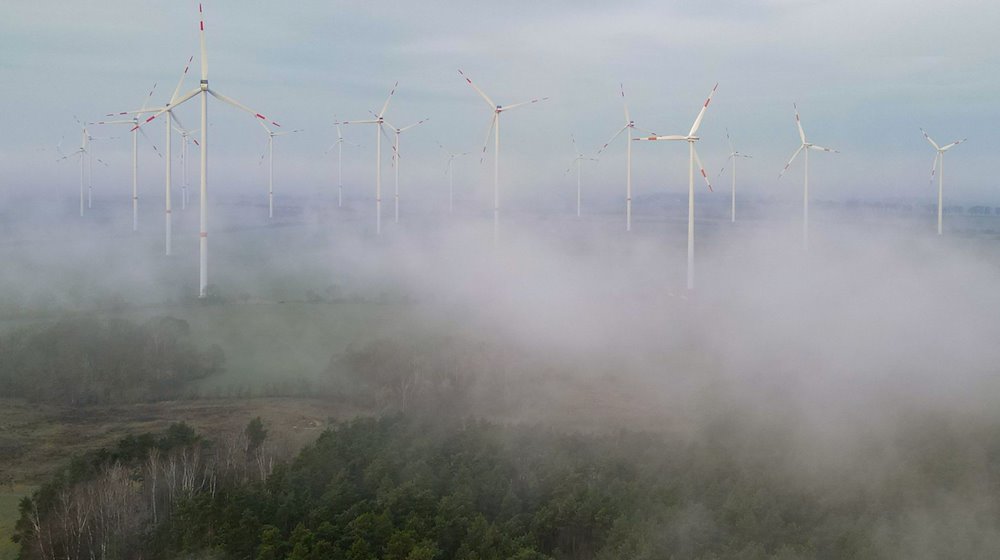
x=628, y=119
x=798, y=123
x=405, y=128
x=822, y=149
x=616, y=135
x=701, y=168
x=241, y=107
x=489, y=132
x=789, y=164
x=929, y=139
x=201, y=42
x=479, y=91
x=934, y=167
x=148, y=97
x=947, y=147
x=387, y=100
x=180, y=82
x=701, y=114
x=521, y=104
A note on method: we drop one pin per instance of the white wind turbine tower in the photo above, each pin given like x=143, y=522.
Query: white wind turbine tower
x=495, y=127
x=578, y=162
x=806, y=145
x=691, y=137
x=938, y=167
x=204, y=91
x=378, y=121
x=134, y=122
x=629, y=126
x=269, y=152
x=733, y=156
x=340, y=161
x=395, y=155
x=451, y=182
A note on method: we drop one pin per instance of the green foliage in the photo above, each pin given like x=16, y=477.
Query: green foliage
x=91, y=360
x=406, y=489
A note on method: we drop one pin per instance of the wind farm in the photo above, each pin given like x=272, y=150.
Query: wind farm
x=570, y=347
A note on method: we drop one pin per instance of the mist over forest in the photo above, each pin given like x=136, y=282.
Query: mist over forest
x=423, y=394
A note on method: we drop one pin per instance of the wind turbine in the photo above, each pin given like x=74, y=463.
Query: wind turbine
x=340, y=162
x=269, y=152
x=495, y=126
x=86, y=161
x=134, y=122
x=939, y=157
x=451, y=182
x=186, y=137
x=691, y=137
x=629, y=126
x=395, y=155
x=733, y=156
x=167, y=197
x=204, y=91
x=82, y=152
x=578, y=161
x=806, y=145
x=378, y=121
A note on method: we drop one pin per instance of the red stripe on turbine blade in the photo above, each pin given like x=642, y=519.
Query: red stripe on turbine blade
x=202, y=25
x=151, y=118
x=261, y=117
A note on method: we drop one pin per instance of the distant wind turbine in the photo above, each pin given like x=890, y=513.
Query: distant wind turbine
x=938, y=167
x=395, y=155
x=806, y=145
x=495, y=126
x=269, y=152
x=134, y=122
x=691, y=137
x=378, y=121
x=187, y=136
x=733, y=156
x=451, y=182
x=340, y=162
x=629, y=126
x=204, y=91
x=578, y=162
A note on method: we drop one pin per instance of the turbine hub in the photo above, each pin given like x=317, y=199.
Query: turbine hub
x=204, y=85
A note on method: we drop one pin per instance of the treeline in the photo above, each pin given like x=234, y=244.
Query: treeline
x=108, y=504
x=405, y=489
x=412, y=488
x=104, y=360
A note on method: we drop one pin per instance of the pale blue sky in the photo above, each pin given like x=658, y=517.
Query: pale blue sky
x=866, y=75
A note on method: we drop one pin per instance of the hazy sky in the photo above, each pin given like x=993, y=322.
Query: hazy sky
x=866, y=75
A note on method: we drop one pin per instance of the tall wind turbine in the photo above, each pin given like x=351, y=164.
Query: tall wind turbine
x=204, y=91
x=378, y=121
x=395, y=155
x=495, y=126
x=691, y=137
x=134, y=122
x=733, y=156
x=269, y=152
x=938, y=167
x=578, y=162
x=629, y=126
x=451, y=182
x=806, y=145
x=340, y=161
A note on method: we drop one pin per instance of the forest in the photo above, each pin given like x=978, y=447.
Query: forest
x=417, y=487
x=93, y=360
